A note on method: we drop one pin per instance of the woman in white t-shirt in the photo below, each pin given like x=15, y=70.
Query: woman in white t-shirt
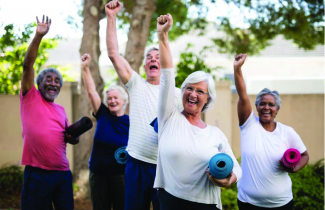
x=265, y=182
x=185, y=142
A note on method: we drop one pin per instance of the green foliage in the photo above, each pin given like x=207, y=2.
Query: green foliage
x=11, y=180
x=190, y=62
x=183, y=22
x=13, y=49
x=229, y=198
x=299, y=20
x=308, y=187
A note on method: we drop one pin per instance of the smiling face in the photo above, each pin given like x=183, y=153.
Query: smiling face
x=152, y=65
x=195, y=97
x=50, y=86
x=115, y=102
x=267, y=109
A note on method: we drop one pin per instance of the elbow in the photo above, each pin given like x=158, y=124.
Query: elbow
x=113, y=56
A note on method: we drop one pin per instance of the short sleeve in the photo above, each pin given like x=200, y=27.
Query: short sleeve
x=295, y=140
x=102, y=109
x=29, y=96
x=251, y=119
x=135, y=77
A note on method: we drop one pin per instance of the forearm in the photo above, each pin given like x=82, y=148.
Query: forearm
x=111, y=38
x=31, y=53
x=165, y=56
x=240, y=84
x=303, y=161
x=91, y=89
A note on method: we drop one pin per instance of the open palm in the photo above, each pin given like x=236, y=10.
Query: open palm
x=44, y=26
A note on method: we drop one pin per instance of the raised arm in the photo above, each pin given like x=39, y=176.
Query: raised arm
x=89, y=83
x=121, y=66
x=27, y=78
x=166, y=101
x=244, y=107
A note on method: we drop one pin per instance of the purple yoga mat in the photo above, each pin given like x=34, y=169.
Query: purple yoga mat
x=291, y=157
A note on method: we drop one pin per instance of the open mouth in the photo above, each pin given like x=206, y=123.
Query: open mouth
x=191, y=102
x=52, y=90
x=153, y=67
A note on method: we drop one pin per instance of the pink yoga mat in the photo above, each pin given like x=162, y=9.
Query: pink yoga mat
x=291, y=157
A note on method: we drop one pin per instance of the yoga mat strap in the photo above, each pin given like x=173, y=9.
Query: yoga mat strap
x=78, y=128
x=291, y=157
x=221, y=165
x=121, y=155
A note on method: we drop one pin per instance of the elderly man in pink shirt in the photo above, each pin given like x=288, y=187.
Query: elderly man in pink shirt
x=47, y=178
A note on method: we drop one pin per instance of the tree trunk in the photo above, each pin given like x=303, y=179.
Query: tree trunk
x=90, y=44
x=139, y=32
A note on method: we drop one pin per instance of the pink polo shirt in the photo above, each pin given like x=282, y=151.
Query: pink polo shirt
x=43, y=124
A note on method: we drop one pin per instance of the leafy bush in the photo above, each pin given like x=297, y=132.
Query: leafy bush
x=11, y=184
x=307, y=189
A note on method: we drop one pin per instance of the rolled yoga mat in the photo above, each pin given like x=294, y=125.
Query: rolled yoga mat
x=121, y=155
x=291, y=157
x=154, y=124
x=79, y=127
x=221, y=165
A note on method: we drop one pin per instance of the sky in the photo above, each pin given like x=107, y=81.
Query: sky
x=22, y=12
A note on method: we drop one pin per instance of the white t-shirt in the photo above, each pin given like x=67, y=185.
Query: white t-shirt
x=263, y=183
x=185, y=151
x=143, y=140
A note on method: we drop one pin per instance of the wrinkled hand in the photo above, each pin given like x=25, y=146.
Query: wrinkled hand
x=85, y=60
x=43, y=27
x=164, y=23
x=71, y=140
x=112, y=8
x=285, y=168
x=239, y=60
x=226, y=182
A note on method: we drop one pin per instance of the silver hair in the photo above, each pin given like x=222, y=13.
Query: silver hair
x=125, y=96
x=148, y=51
x=267, y=91
x=200, y=76
x=41, y=75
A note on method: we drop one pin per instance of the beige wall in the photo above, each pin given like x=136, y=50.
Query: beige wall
x=304, y=113
x=11, y=143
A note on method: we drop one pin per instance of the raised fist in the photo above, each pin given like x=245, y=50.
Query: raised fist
x=164, y=23
x=43, y=27
x=239, y=60
x=85, y=60
x=112, y=8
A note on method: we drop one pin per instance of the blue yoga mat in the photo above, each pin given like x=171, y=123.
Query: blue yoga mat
x=121, y=155
x=154, y=124
x=221, y=165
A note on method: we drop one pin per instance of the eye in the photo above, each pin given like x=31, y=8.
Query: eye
x=189, y=89
x=200, y=92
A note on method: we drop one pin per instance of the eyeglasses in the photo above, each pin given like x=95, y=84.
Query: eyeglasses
x=198, y=91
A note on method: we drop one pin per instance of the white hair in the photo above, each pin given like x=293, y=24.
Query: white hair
x=125, y=96
x=267, y=91
x=148, y=51
x=201, y=76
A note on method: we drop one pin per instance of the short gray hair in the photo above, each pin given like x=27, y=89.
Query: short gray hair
x=41, y=75
x=125, y=96
x=148, y=51
x=267, y=91
x=200, y=76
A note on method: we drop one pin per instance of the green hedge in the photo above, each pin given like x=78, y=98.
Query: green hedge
x=307, y=188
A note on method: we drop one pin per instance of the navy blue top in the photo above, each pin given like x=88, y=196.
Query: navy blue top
x=111, y=133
